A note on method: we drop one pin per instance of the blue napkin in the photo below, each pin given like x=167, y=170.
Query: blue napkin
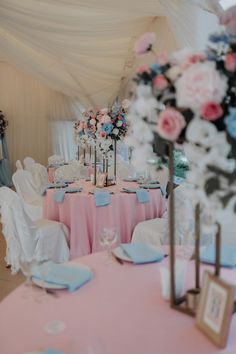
x=151, y=186
x=52, y=351
x=131, y=179
x=102, y=198
x=227, y=256
x=143, y=196
x=141, y=253
x=130, y=190
x=73, y=277
x=54, y=185
x=151, y=182
x=59, y=196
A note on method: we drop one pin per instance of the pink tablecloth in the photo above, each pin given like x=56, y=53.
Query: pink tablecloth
x=121, y=308
x=86, y=221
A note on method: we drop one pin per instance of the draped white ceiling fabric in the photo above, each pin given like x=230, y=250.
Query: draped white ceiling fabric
x=84, y=48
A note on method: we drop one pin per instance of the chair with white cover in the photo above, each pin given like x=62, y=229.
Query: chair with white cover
x=70, y=172
x=28, y=161
x=162, y=175
x=123, y=168
x=56, y=160
x=19, y=165
x=27, y=240
x=155, y=231
x=32, y=201
x=40, y=177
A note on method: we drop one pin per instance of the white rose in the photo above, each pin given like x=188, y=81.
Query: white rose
x=115, y=131
x=92, y=121
x=200, y=83
x=119, y=123
x=173, y=73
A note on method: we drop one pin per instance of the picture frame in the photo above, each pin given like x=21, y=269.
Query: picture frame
x=215, y=308
x=101, y=179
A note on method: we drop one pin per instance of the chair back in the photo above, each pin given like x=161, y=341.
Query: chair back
x=28, y=161
x=40, y=177
x=23, y=182
x=56, y=160
x=17, y=229
x=19, y=165
x=70, y=172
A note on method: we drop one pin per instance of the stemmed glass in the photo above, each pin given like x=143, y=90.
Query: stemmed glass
x=108, y=237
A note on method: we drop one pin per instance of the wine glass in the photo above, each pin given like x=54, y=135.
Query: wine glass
x=108, y=237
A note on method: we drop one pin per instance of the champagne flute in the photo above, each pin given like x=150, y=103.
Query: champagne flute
x=108, y=237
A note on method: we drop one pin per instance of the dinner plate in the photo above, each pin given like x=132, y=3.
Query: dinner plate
x=44, y=284
x=127, y=190
x=119, y=253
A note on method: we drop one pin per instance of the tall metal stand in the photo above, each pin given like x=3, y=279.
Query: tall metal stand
x=95, y=163
x=115, y=148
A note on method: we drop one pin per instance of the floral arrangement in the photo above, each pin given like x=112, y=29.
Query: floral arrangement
x=3, y=125
x=189, y=99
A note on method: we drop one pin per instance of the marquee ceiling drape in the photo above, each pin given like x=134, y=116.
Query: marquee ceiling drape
x=84, y=48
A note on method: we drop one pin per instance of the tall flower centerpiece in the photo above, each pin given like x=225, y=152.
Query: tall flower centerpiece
x=188, y=100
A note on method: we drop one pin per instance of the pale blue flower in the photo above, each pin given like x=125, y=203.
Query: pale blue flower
x=230, y=122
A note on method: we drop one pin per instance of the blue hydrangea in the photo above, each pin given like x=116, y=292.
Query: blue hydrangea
x=230, y=122
x=155, y=67
x=219, y=37
x=107, y=127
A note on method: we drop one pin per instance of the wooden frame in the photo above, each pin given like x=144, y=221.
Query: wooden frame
x=101, y=180
x=215, y=309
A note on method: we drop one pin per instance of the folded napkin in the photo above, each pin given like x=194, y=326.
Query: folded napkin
x=130, y=190
x=131, y=179
x=151, y=182
x=102, y=198
x=71, y=276
x=141, y=253
x=143, y=196
x=59, y=196
x=227, y=255
x=151, y=186
x=54, y=185
x=52, y=351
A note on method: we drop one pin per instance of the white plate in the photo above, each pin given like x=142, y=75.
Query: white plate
x=119, y=253
x=46, y=285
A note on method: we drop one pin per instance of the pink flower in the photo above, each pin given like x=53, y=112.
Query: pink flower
x=142, y=69
x=162, y=59
x=193, y=59
x=170, y=124
x=199, y=84
x=103, y=134
x=211, y=111
x=160, y=82
x=230, y=62
x=144, y=43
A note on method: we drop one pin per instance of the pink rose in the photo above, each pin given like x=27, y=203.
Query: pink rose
x=162, y=59
x=170, y=124
x=199, y=84
x=144, y=43
x=193, y=59
x=160, y=82
x=142, y=69
x=211, y=111
x=230, y=62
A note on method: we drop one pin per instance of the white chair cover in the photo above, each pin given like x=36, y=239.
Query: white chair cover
x=123, y=168
x=40, y=177
x=28, y=161
x=156, y=232
x=161, y=175
x=19, y=165
x=56, y=160
x=26, y=240
x=70, y=172
x=33, y=202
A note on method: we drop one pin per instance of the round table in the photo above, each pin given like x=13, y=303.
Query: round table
x=86, y=221
x=121, y=309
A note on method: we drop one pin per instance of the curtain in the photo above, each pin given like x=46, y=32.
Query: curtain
x=62, y=140
x=5, y=169
x=29, y=107
x=84, y=48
